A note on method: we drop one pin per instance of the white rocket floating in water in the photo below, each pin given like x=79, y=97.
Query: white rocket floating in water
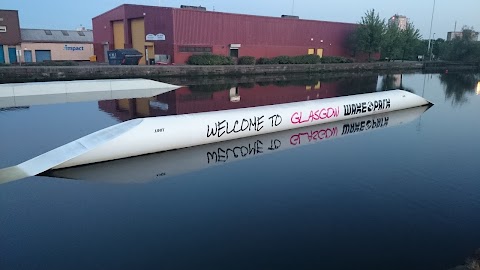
x=150, y=135
x=171, y=163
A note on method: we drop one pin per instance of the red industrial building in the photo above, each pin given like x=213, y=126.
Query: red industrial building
x=173, y=34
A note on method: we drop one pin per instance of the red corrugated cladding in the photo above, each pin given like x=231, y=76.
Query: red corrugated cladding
x=258, y=36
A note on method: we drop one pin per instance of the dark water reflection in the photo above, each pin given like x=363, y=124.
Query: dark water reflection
x=403, y=197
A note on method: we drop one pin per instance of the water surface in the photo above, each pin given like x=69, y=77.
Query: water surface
x=402, y=197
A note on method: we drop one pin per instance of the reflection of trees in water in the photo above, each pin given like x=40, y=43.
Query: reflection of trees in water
x=357, y=85
x=393, y=81
x=471, y=263
x=458, y=85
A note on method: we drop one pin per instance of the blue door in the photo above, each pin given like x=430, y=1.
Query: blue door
x=12, y=55
x=2, y=56
x=28, y=56
x=43, y=55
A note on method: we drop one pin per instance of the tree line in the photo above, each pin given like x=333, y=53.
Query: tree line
x=376, y=36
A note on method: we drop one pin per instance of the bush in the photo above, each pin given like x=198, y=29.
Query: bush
x=286, y=60
x=335, y=60
x=306, y=59
x=246, y=60
x=282, y=60
x=263, y=61
x=210, y=59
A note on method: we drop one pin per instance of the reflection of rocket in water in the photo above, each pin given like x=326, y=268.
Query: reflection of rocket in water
x=170, y=163
x=42, y=93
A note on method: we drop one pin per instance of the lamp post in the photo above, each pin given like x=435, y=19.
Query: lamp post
x=430, y=34
x=431, y=49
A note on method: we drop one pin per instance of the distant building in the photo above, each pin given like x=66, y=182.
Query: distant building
x=37, y=45
x=459, y=34
x=399, y=20
x=9, y=36
x=58, y=45
x=172, y=35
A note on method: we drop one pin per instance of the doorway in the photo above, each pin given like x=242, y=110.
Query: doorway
x=28, y=56
x=234, y=52
x=43, y=55
x=106, y=48
x=320, y=52
x=12, y=55
x=2, y=55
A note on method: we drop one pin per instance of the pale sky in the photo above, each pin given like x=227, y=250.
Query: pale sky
x=65, y=14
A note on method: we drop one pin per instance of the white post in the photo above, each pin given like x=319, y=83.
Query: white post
x=430, y=34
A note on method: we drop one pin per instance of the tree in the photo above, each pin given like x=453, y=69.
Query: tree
x=409, y=38
x=390, y=42
x=368, y=36
x=464, y=49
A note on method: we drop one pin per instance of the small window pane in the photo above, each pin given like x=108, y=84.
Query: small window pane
x=65, y=33
x=48, y=32
x=80, y=33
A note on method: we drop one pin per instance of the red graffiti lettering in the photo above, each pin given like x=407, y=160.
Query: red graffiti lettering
x=325, y=113
x=314, y=135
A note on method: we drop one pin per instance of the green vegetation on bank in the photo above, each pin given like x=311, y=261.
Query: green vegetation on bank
x=460, y=49
x=375, y=36
x=212, y=59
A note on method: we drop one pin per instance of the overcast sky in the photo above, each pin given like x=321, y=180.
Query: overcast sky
x=64, y=14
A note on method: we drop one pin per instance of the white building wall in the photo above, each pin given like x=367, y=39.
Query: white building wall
x=60, y=51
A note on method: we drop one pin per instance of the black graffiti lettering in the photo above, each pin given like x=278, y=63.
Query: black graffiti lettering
x=363, y=107
x=260, y=123
x=224, y=127
x=221, y=128
x=244, y=125
x=276, y=120
x=365, y=125
x=212, y=131
x=275, y=144
x=223, y=155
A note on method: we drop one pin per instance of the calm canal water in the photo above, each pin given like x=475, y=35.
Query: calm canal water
x=406, y=196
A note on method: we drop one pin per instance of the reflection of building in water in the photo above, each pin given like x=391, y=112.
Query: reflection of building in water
x=214, y=98
x=389, y=82
x=478, y=88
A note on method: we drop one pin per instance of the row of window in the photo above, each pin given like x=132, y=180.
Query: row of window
x=65, y=33
x=195, y=49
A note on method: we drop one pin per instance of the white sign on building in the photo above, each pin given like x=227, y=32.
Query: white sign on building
x=152, y=37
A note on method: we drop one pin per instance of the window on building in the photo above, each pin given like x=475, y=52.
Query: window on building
x=65, y=33
x=80, y=33
x=3, y=29
x=48, y=32
x=234, y=52
x=195, y=49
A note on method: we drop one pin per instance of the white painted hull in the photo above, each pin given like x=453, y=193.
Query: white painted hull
x=171, y=163
x=173, y=132
x=150, y=135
